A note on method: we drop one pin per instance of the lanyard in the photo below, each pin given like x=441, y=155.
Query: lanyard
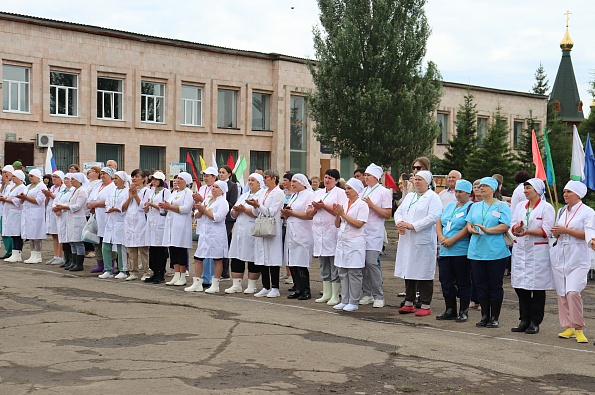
x=566, y=221
x=100, y=188
x=177, y=196
x=528, y=214
x=414, y=201
x=73, y=192
x=368, y=195
x=484, y=213
x=454, y=211
x=210, y=204
x=294, y=199
x=157, y=190
x=31, y=187
x=207, y=190
x=115, y=197
x=325, y=196
x=266, y=195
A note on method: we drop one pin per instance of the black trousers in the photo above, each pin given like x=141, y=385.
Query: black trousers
x=455, y=277
x=425, y=287
x=270, y=276
x=487, y=277
x=301, y=279
x=158, y=259
x=238, y=266
x=531, y=304
x=178, y=256
x=17, y=243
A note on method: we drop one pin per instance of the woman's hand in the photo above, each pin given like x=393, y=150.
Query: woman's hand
x=338, y=210
x=559, y=230
x=592, y=243
x=165, y=205
x=286, y=212
x=253, y=203
x=447, y=242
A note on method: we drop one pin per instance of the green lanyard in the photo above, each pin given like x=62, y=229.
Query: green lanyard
x=73, y=192
x=414, y=201
x=115, y=197
x=454, y=211
x=368, y=195
x=31, y=187
x=294, y=199
x=484, y=213
x=157, y=190
x=529, y=209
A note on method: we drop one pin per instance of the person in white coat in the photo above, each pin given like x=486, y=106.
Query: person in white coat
x=96, y=203
x=350, y=253
x=209, y=176
x=11, y=215
x=155, y=226
x=212, y=240
x=518, y=195
x=75, y=220
x=50, y=217
x=268, y=251
x=33, y=216
x=135, y=224
x=415, y=220
x=177, y=233
x=241, y=249
x=531, y=273
x=6, y=186
x=570, y=260
x=298, y=247
x=325, y=234
x=113, y=235
x=379, y=200
x=62, y=198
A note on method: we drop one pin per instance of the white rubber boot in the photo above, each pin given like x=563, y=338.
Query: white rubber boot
x=251, y=287
x=336, y=290
x=35, y=257
x=236, y=287
x=175, y=278
x=182, y=280
x=326, y=292
x=15, y=257
x=196, y=285
x=214, y=288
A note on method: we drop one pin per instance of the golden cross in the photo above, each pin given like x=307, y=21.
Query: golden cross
x=567, y=13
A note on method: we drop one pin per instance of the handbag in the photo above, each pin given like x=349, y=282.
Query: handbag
x=89, y=234
x=508, y=238
x=265, y=226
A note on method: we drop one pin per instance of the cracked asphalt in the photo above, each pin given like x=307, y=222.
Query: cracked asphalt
x=63, y=333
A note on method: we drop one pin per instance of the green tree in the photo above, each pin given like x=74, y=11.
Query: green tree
x=524, y=154
x=541, y=86
x=373, y=100
x=494, y=155
x=561, y=149
x=464, y=143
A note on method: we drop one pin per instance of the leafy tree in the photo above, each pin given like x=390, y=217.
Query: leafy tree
x=494, y=155
x=373, y=100
x=525, y=147
x=464, y=143
x=541, y=85
x=561, y=149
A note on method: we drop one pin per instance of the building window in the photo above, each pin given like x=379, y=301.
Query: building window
x=517, y=134
x=152, y=158
x=152, y=102
x=227, y=109
x=110, y=95
x=347, y=167
x=195, y=154
x=325, y=149
x=105, y=152
x=191, y=105
x=261, y=111
x=63, y=94
x=15, y=88
x=443, y=123
x=298, y=133
x=222, y=156
x=260, y=159
x=482, y=130
x=65, y=153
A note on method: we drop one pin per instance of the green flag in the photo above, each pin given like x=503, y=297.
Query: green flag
x=549, y=170
x=240, y=168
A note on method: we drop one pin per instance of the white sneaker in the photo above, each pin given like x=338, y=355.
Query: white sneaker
x=51, y=261
x=132, y=277
x=106, y=275
x=121, y=275
x=350, y=307
x=144, y=277
x=378, y=303
x=263, y=292
x=57, y=261
x=339, y=306
x=289, y=280
x=366, y=300
x=274, y=293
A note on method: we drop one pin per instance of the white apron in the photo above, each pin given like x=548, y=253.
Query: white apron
x=33, y=215
x=299, y=243
x=11, y=215
x=242, y=241
x=268, y=251
x=62, y=198
x=212, y=241
x=51, y=220
x=374, y=228
x=155, y=219
x=351, y=242
x=323, y=223
x=114, y=224
x=101, y=193
x=75, y=218
x=178, y=226
x=135, y=221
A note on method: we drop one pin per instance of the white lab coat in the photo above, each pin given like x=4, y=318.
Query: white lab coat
x=570, y=257
x=75, y=218
x=4, y=193
x=374, y=228
x=114, y=224
x=299, y=243
x=156, y=221
x=323, y=223
x=416, y=251
x=178, y=226
x=11, y=213
x=242, y=241
x=33, y=215
x=531, y=268
x=101, y=193
x=268, y=251
x=212, y=241
x=62, y=198
x=51, y=220
x=351, y=243
x=135, y=220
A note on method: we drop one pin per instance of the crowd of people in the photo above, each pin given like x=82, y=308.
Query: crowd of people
x=132, y=224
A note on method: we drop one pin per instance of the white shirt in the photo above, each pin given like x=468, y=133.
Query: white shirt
x=447, y=196
x=374, y=229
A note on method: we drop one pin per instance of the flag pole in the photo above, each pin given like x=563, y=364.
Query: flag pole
x=556, y=195
x=549, y=191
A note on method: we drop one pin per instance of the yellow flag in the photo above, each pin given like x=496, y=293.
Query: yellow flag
x=203, y=165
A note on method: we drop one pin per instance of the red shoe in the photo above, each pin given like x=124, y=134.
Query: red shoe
x=407, y=309
x=423, y=312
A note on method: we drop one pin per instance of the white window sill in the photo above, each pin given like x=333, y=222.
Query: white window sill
x=17, y=112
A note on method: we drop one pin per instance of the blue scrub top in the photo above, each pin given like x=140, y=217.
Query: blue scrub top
x=458, y=220
x=488, y=247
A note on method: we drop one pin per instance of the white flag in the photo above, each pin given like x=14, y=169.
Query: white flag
x=214, y=162
x=577, y=166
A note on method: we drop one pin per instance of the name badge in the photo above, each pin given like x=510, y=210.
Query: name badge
x=496, y=214
x=448, y=225
x=459, y=215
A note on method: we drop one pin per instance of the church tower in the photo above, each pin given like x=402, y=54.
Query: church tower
x=564, y=97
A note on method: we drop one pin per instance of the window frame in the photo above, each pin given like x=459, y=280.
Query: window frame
x=234, y=109
x=482, y=136
x=155, y=98
x=8, y=92
x=517, y=134
x=442, y=139
x=301, y=120
x=197, y=102
x=67, y=90
x=266, y=115
x=112, y=94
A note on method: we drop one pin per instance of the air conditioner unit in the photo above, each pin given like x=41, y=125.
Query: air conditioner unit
x=45, y=140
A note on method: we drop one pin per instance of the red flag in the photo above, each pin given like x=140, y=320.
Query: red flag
x=389, y=182
x=191, y=163
x=230, y=161
x=539, y=170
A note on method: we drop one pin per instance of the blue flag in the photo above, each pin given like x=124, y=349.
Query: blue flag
x=589, y=165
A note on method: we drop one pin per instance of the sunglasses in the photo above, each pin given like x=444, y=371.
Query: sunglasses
x=415, y=167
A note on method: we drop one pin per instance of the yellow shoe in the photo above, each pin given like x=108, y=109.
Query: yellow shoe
x=580, y=337
x=567, y=334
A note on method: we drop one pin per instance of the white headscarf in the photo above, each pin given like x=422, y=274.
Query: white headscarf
x=8, y=168
x=538, y=185
x=60, y=174
x=19, y=174
x=122, y=175
x=80, y=177
x=577, y=187
x=302, y=179
x=187, y=177
x=356, y=184
x=258, y=178
x=426, y=175
x=222, y=185
x=375, y=170
x=36, y=173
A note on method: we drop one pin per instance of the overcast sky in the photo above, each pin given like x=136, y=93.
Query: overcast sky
x=497, y=44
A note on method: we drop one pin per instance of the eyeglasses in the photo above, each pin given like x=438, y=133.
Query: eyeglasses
x=415, y=167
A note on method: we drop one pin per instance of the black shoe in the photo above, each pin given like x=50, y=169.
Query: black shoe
x=292, y=289
x=206, y=286
x=485, y=314
x=6, y=256
x=305, y=295
x=295, y=295
x=451, y=310
x=78, y=265
x=532, y=329
x=521, y=327
x=150, y=279
x=493, y=323
x=418, y=304
x=495, y=308
x=463, y=315
x=158, y=280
